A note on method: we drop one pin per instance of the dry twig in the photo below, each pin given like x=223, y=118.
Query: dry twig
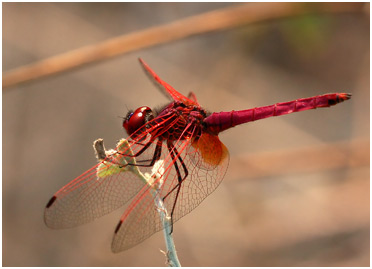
x=210, y=21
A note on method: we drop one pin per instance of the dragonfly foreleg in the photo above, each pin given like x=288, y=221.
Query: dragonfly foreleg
x=103, y=155
x=156, y=157
x=139, y=152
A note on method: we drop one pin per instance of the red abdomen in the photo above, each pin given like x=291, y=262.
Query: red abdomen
x=218, y=122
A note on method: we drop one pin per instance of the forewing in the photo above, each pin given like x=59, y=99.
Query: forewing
x=192, y=97
x=164, y=87
x=141, y=219
x=103, y=188
x=108, y=185
x=89, y=197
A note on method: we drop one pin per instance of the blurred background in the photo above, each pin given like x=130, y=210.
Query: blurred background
x=297, y=189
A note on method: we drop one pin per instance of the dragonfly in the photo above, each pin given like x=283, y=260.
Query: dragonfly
x=181, y=134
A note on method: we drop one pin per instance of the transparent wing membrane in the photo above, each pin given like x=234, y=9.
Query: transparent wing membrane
x=141, y=219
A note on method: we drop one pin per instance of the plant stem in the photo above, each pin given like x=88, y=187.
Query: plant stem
x=172, y=258
x=154, y=181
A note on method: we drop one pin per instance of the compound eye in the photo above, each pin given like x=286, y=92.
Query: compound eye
x=135, y=120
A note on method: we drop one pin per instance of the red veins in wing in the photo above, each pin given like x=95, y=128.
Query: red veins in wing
x=140, y=220
x=88, y=197
x=173, y=93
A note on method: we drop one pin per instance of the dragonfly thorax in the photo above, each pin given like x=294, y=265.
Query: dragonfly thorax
x=180, y=121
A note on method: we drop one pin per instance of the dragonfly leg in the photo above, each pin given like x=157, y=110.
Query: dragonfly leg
x=172, y=150
x=139, y=152
x=156, y=156
x=101, y=153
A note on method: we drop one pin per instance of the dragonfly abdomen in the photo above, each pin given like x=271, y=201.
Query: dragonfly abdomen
x=218, y=122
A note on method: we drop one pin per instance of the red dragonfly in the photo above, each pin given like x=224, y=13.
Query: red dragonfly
x=185, y=137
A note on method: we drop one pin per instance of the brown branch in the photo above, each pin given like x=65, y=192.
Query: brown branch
x=221, y=19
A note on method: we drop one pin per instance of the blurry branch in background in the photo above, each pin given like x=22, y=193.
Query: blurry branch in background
x=333, y=156
x=225, y=18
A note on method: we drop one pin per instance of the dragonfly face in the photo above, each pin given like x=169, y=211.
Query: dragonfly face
x=137, y=119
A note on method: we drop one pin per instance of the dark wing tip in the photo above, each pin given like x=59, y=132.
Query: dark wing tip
x=118, y=226
x=51, y=201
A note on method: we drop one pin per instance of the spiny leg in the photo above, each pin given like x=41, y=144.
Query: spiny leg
x=178, y=174
x=101, y=153
x=172, y=150
x=146, y=146
x=156, y=156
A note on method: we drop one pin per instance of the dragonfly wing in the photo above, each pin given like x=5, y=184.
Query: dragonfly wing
x=141, y=219
x=106, y=186
x=100, y=190
x=192, y=97
x=164, y=87
x=90, y=196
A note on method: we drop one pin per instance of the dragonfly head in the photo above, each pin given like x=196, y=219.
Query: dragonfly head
x=136, y=119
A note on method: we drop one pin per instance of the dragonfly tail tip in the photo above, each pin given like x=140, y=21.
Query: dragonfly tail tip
x=345, y=96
